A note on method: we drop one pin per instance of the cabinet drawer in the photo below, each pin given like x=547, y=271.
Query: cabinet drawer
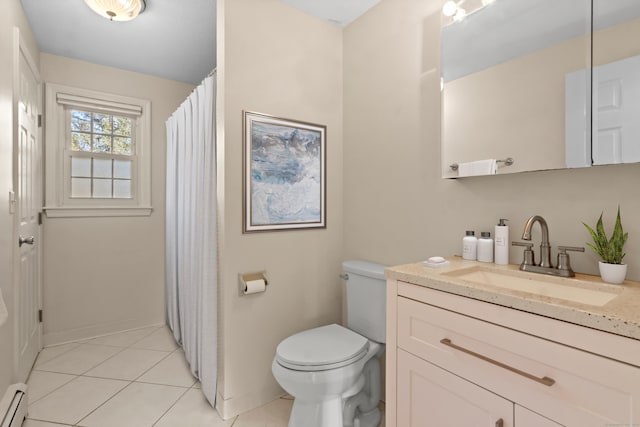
x=570, y=386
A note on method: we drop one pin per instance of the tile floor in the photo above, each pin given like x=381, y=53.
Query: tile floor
x=137, y=378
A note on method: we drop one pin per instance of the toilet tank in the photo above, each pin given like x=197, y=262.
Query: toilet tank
x=366, y=299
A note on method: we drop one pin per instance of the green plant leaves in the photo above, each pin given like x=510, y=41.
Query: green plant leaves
x=609, y=249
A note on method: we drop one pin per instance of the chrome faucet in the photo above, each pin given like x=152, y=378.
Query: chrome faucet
x=545, y=267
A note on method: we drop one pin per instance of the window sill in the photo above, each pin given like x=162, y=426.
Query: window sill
x=107, y=211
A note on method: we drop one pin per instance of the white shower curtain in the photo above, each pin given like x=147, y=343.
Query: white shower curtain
x=191, y=232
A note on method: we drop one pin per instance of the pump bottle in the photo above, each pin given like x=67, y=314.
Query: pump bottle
x=501, y=243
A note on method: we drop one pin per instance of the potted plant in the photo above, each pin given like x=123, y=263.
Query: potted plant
x=610, y=250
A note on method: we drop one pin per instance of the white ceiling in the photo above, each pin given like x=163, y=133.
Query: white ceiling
x=173, y=39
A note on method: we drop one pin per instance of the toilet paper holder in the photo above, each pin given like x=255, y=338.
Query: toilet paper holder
x=243, y=278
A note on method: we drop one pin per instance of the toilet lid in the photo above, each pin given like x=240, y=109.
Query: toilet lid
x=326, y=347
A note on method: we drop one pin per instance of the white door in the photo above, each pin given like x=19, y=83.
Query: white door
x=616, y=112
x=428, y=396
x=28, y=190
x=577, y=118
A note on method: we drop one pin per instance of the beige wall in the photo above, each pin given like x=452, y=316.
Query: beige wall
x=397, y=208
x=617, y=42
x=275, y=60
x=107, y=274
x=11, y=15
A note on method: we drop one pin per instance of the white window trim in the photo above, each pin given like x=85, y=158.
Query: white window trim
x=58, y=204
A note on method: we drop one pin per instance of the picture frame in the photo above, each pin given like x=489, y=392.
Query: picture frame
x=284, y=173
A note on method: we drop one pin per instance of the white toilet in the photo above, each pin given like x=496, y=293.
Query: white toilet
x=333, y=372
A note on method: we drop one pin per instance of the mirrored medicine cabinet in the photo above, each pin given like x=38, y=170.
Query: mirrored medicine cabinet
x=553, y=84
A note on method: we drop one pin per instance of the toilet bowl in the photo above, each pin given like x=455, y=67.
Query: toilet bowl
x=322, y=369
x=333, y=372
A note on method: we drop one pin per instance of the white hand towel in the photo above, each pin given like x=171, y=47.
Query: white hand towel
x=3, y=310
x=477, y=168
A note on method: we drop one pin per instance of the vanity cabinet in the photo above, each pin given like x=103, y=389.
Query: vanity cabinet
x=456, y=361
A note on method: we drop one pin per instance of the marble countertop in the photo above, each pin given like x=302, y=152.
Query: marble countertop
x=619, y=316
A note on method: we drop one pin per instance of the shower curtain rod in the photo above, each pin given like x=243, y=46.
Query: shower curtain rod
x=211, y=73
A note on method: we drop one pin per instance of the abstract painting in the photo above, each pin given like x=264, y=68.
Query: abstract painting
x=284, y=173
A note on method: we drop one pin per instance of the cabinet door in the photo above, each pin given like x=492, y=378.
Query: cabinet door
x=526, y=418
x=428, y=396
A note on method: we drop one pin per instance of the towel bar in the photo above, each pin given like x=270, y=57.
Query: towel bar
x=507, y=162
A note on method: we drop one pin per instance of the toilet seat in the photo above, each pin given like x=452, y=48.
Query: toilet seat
x=323, y=348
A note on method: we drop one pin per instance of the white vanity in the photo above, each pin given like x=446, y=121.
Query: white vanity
x=475, y=345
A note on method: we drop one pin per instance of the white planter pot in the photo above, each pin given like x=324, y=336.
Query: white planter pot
x=612, y=273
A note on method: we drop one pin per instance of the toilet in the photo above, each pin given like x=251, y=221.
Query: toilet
x=333, y=372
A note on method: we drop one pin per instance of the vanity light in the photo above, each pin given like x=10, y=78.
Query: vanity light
x=450, y=8
x=460, y=14
x=117, y=10
x=453, y=9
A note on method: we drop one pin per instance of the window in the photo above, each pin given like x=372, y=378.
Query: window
x=101, y=148
x=97, y=157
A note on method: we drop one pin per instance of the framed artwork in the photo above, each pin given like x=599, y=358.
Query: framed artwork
x=284, y=174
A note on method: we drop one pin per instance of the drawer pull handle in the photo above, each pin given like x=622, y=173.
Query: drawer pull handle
x=544, y=380
x=500, y=423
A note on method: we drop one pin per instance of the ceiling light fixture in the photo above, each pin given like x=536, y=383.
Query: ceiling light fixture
x=117, y=10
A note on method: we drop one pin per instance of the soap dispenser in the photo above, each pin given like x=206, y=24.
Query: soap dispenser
x=501, y=243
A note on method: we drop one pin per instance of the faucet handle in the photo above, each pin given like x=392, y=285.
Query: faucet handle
x=527, y=245
x=528, y=253
x=564, y=262
x=564, y=249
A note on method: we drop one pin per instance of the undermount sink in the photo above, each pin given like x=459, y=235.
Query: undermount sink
x=574, y=290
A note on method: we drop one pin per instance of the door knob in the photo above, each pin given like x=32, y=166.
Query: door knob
x=26, y=240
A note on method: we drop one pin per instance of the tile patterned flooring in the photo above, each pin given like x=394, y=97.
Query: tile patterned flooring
x=137, y=378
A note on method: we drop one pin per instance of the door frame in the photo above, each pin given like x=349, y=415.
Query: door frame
x=20, y=48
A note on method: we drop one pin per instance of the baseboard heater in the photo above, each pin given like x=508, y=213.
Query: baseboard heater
x=13, y=406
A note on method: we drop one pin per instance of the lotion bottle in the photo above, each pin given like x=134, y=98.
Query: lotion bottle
x=501, y=243
x=470, y=245
x=485, y=247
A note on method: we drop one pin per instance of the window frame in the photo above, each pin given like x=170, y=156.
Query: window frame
x=60, y=100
